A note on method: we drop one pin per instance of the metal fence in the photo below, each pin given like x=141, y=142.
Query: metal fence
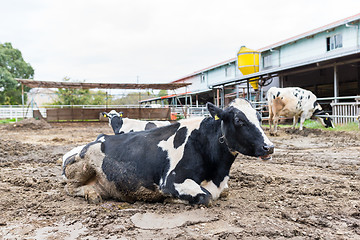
x=14, y=111
x=342, y=112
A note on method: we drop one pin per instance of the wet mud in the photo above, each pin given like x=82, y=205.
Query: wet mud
x=309, y=190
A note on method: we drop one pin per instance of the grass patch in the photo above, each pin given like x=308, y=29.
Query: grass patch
x=11, y=120
x=353, y=126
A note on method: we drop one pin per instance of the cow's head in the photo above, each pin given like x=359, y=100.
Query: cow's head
x=326, y=120
x=115, y=120
x=240, y=126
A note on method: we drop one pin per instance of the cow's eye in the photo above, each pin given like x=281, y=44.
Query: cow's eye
x=238, y=121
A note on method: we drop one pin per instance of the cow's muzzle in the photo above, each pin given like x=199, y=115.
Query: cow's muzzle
x=269, y=149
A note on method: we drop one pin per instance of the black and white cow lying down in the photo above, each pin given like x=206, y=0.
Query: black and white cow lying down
x=125, y=125
x=188, y=160
x=294, y=102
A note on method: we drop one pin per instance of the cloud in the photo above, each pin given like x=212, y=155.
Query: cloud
x=158, y=40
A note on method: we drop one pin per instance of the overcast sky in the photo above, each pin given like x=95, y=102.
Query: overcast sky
x=157, y=40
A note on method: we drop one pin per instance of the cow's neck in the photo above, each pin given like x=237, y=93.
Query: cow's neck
x=215, y=147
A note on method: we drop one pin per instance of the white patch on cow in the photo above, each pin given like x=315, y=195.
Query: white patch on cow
x=138, y=125
x=250, y=114
x=113, y=112
x=188, y=187
x=72, y=152
x=176, y=154
x=213, y=189
x=102, y=139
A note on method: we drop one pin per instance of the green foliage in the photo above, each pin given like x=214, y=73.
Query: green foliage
x=68, y=96
x=12, y=120
x=12, y=65
x=162, y=93
x=353, y=126
x=100, y=98
x=133, y=98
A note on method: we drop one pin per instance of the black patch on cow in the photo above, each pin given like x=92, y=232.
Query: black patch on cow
x=308, y=96
x=327, y=121
x=301, y=97
x=102, y=147
x=116, y=124
x=180, y=137
x=315, y=104
x=278, y=93
x=296, y=94
x=273, y=96
x=84, y=150
x=318, y=112
x=134, y=159
x=150, y=125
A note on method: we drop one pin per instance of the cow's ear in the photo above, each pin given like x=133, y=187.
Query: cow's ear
x=105, y=114
x=121, y=114
x=216, y=113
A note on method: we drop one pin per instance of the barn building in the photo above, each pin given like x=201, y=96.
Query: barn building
x=325, y=60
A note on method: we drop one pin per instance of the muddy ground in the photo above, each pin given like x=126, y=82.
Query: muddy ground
x=310, y=190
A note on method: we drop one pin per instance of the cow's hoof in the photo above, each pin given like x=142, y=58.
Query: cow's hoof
x=224, y=194
x=93, y=197
x=205, y=200
x=274, y=134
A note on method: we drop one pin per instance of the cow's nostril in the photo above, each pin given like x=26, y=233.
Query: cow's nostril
x=269, y=149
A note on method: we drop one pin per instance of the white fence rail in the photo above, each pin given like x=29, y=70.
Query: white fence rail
x=10, y=111
x=345, y=112
x=342, y=112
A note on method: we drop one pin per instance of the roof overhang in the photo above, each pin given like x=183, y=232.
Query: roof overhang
x=82, y=85
x=175, y=95
x=322, y=61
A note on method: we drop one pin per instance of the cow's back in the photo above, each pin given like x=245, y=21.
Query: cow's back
x=291, y=101
x=134, y=159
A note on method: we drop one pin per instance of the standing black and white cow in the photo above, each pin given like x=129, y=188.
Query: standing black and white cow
x=125, y=125
x=188, y=160
x=294, y=102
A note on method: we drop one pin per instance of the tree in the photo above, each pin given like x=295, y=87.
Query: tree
x=71, y=96
x=12, y=65
x=133, y=98
x=162, y=93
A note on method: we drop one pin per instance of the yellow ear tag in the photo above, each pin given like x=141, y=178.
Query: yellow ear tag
x=104, y=115
x=216, y=117
x=120, y=115
x=326, y=119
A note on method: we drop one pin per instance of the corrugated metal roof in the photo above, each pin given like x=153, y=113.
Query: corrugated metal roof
x=205, y=69
x=312, y=32
x=286, y=41
x=82, y=85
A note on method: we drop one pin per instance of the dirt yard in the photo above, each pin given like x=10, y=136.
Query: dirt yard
x=310, y=190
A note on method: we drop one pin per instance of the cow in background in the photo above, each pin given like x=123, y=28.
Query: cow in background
x=125, y=125
x=188, y=160
x=294, y=102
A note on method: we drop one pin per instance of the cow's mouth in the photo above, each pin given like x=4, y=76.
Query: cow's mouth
x=266, y=157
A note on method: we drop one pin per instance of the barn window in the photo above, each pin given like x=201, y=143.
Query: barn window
x=334, y=42
x=229, y=71
x=203, y=78
x=267, y=61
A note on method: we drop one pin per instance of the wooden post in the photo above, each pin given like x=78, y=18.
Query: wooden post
x=336, y=84
x=22, y=99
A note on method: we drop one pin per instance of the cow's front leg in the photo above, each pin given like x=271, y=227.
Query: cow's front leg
x=275, y=122
x=189, y=191
x=81, y=181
